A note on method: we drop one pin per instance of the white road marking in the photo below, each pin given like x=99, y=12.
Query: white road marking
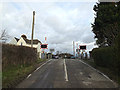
x=38, y=68
x=96, y=70
x=29, y=76
x=42, y=65
x=65, y=69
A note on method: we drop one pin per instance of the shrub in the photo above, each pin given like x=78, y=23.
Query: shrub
x=17, y=55
x=108, y=56
x=117, y=48
x=104, y=57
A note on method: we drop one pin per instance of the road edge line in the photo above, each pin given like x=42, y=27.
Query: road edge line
x=38, y=68
x=97, y=71
x=42, y=65
x=29, y=76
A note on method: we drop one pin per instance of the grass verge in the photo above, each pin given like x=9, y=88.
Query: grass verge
x=111, y=74
x=12, y=75
x=41, y=60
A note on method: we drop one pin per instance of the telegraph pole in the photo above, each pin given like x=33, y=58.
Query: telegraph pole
x=32, y=29
x=73, y=48
x=77, y=49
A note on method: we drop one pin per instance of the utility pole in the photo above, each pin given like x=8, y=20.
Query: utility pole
x=32, y=29
x=73, y=48
x=77, y=50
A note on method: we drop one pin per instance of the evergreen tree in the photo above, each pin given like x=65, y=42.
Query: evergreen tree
x=107, y=23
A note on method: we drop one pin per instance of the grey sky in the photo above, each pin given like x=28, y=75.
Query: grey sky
x=60, y=22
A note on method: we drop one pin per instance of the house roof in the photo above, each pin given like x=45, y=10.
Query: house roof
x=16, y=39
x=24, y=36
x=35, y=41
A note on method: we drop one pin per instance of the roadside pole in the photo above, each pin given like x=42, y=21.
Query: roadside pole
x=32, y=29
x=45, y=52
x=73, y=49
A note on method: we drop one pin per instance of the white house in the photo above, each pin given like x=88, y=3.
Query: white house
x=23, y=41
x=14, y=41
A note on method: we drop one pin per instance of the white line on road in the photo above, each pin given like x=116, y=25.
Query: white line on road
x=38, y=68
x=42, y=65
x=96, y=70
x=66, y=75
x=29, y=75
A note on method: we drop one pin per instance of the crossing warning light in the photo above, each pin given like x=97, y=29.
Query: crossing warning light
x=83, y=47
x=44, y=46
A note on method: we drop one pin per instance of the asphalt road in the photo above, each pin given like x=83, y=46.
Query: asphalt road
x=66, y=73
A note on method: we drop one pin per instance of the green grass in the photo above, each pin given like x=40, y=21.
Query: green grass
x=13, y=73
x=0, y=79
x=0, y=75
x=40, y=60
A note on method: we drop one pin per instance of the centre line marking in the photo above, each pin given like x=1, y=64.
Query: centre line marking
x=66, y=75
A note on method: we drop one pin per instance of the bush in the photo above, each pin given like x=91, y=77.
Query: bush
x=104, y=57
x=17, y=55
x=117, y=48
x=108, y=56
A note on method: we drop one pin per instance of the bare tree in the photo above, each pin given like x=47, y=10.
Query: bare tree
x=4, y=36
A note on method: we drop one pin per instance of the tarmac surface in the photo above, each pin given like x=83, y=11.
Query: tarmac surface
x=66, y=73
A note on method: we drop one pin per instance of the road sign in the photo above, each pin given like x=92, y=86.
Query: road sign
x=83, y=47
x=44, y=46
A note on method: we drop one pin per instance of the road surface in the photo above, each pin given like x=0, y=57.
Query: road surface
x=66, y=73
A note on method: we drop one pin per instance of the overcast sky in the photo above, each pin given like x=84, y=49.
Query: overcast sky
x=61, y=22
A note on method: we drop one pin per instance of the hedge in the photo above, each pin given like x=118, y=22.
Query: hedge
x=104, y=56
x=108, y=56
x=117, y=48
x=17, y=55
